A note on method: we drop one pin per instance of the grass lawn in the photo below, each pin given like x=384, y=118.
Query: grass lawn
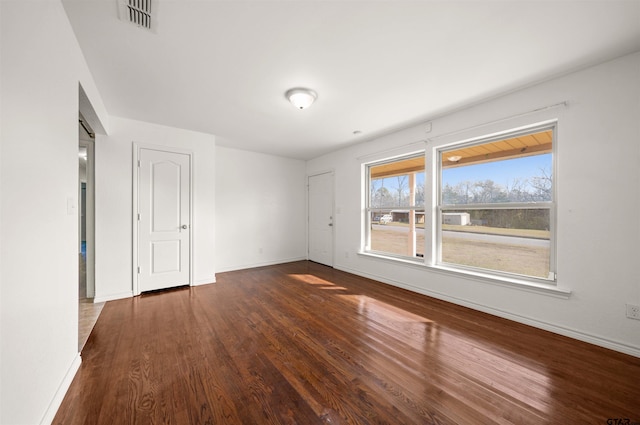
x=531, y=261
x=526, y=260
x=394, y=242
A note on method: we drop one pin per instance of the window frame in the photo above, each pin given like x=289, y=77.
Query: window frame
x=368, y=210
x=439, y=208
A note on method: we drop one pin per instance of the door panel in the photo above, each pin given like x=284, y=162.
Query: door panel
x=321, y=218
x=164, y=219
x=165, y=197
x=166, y=256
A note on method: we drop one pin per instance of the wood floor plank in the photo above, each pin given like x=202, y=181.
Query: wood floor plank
x=301, y=343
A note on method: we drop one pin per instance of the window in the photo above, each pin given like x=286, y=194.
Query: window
x=395, y=216
x=496, y=205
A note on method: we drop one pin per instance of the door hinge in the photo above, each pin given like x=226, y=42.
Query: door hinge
x=138, y=163
x=138, y=270
x=138, y=216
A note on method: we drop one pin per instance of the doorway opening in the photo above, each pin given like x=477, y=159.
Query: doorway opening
x=88, y=311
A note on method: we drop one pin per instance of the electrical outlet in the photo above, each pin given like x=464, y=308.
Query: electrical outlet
x=633, y=311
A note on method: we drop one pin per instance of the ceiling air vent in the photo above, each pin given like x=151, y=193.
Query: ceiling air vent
x=137, y=12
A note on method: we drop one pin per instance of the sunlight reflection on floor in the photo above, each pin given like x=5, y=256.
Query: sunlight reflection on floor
x=314, y=280
x=476, y=361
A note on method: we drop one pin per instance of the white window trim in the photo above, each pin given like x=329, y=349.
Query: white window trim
x=366, y=209
x=549, y=117
x=506, y=281
x=436, y=171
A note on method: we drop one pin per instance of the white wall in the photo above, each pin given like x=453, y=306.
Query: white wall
x=1, y=237
x=260, y=209
x=41, y=68
x=114, y=205
x=598, y=172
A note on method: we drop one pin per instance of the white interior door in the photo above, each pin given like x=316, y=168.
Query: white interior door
x=321, y=218
x=164, y=228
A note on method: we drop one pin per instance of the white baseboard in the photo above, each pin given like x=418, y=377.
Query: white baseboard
x=205, y=281
x=560, y=330
x=261, y=264
x=111, y=297
x=50, y=414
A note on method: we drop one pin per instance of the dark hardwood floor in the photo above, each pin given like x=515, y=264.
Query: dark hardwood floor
x=301, y=343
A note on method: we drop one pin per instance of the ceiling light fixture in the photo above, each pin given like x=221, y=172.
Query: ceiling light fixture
x=301, y=98
x=454, y=158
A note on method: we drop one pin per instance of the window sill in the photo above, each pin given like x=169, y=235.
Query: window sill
x=418, y=262
x=515, y=283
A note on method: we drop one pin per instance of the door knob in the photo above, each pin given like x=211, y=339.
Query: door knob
x=184, y=226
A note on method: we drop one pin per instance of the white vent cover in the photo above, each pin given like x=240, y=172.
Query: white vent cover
x=137, y=12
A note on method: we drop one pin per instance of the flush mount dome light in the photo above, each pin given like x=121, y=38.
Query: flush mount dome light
x=301, y=98
x=454, y=158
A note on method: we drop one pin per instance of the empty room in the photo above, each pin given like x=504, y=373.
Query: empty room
x=319, y=212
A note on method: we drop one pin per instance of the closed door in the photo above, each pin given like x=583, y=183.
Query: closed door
x=164, y=228
x=321, y=218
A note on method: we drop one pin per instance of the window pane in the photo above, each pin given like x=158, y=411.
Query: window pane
x=507, y=240
x=499, y=171
x=515, y=175
x=395, y=203
x=391, y=233
x=390, y=183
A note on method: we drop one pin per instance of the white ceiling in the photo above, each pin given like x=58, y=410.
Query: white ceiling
x=222, y=67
